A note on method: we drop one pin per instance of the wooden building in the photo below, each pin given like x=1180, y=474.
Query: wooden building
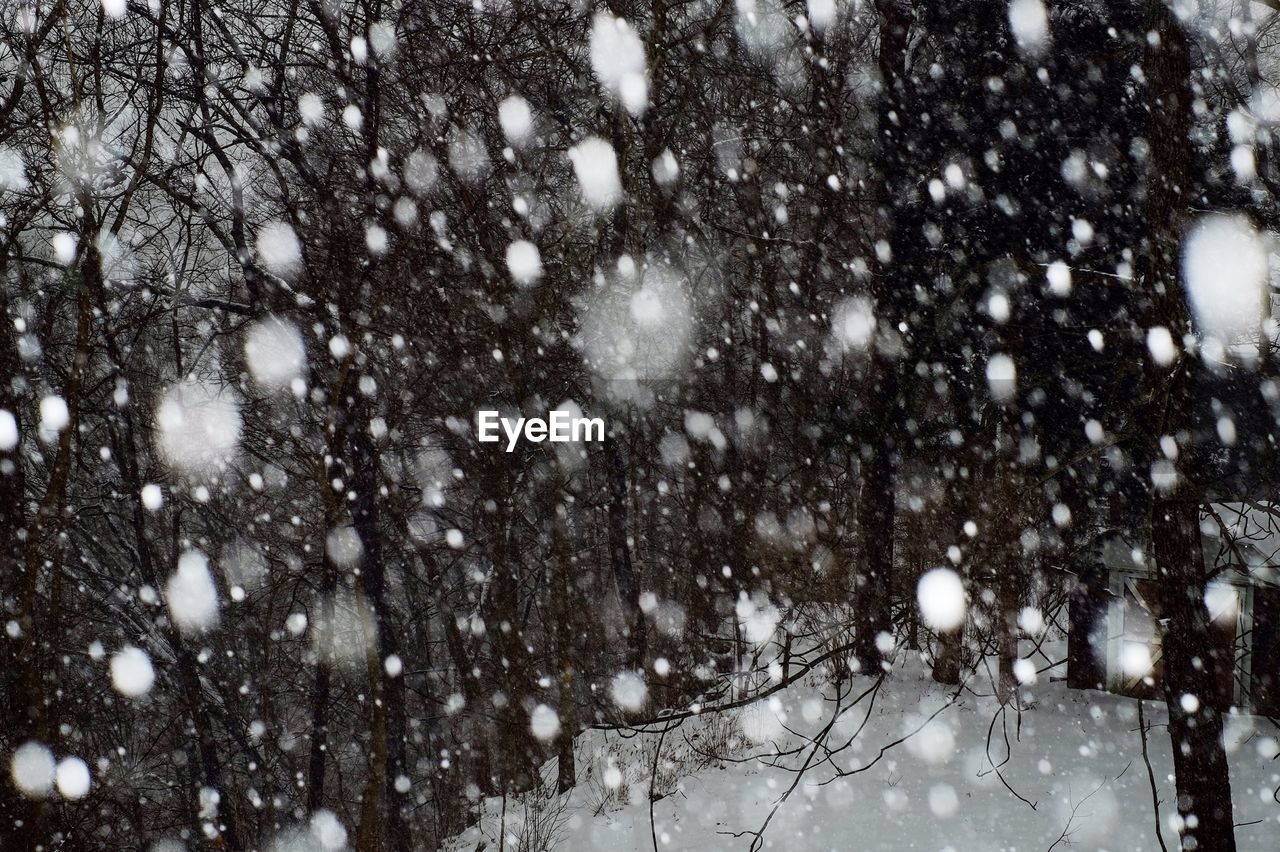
x=1114, y=641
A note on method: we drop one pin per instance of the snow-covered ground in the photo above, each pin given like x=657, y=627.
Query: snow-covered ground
x=922, y=777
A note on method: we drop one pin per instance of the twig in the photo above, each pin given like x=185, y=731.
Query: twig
x=845, y=773
x=1066, y=830
x=653, y=783
x=1151, y=775
x=758, y=836
x=502, y=824
x=638, y=726
x=1008, y=754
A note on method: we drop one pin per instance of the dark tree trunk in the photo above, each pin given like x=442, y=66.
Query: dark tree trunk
x=211, y=771
x=320, y=703
x=1192, y=675
x=876, y=502
x=624, y=573
x=949, y=659
x=19, y=685
x=204, y=754
x=873, y=581
x=1010, y=584
x=702, y=590
x=563, y=630
x=1086, y=637
x=389, y=690
x=1195, y=726
x=516, y=762
x=475, y=734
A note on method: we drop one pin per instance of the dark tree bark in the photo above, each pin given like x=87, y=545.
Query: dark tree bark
x=1190, y=668
x=320, y=697
x=1010, y=584
x=389, y=690
x=876, y=501
x=515, y=764
x=562, y=606
x=624, y=572
x=948, y=662
x=876, y=511
x=20, y=690
x=1192, y=677
x=1086, y=636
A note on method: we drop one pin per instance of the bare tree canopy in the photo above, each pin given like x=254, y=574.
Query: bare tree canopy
x=685, y=424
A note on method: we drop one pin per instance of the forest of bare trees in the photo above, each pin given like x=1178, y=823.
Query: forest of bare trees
x=888, y=307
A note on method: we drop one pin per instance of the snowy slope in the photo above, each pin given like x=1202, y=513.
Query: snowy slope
x=1074, y=756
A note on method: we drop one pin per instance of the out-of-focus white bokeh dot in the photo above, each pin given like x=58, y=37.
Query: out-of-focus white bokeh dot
x=934, y=743
x=612, y=777
x=191, y=594
x=545, y=722
x=1225, y=268
x=516, y=119
x=8, y=431
x=32, y=768
x=274, y=353
x=762, y=721
x=941, y=597
x=943, y=800
x=199, y=426
x=72, y=778
x=1025, y=671
x=628, y=690
x=279, y=249
x=1029, y=23
x=326, y=829
x=524, y=262
x=54, y=414
x=596, y=166
x=131, y=672
x=152, y=497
